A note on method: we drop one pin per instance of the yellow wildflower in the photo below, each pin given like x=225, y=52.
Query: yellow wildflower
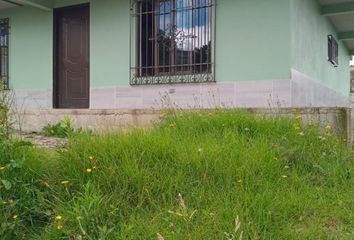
x=286, y=166
x=58, y=218
x=15, y=217
x=302, y=134
x=297, y=127
x=91, y=158
x=89, y=170
x=65, y=182
x=284, y=176
x=59, y=227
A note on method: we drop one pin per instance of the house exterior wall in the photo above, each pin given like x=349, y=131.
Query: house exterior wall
x=247, y=70
x=315, y=81
x=30, y=60
x=259, y=58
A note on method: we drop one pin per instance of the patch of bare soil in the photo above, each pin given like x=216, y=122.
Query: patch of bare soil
x=45, y=142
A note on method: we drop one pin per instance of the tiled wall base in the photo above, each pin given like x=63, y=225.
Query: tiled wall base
x=241, y=94
x=300, y=91
x=306, y=92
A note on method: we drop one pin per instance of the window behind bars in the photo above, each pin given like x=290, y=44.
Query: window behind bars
x=4, y=52
x=173, y=41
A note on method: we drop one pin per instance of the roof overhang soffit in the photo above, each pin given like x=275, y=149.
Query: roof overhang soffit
x=40, y=4
x=341, y=13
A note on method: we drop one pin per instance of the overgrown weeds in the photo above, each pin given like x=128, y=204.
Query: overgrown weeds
x=216, y=175
x=6, y=120
x=63, y=129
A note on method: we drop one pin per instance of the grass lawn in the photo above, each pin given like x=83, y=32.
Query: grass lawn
x=220, y=175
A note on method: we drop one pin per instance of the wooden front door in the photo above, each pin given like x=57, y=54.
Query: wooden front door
x=71, y=61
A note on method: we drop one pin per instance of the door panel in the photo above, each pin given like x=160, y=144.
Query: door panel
x=72, y=57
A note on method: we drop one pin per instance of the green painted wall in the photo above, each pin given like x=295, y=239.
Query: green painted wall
x=309, y=46
x=110, y=43
x=242, y=45
x=63, y=3
x=30, y=48
x=31, y=44
x=253, y=39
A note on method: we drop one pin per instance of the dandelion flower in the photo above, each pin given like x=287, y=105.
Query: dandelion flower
x=284, y=176
x=65, y=182
x=200, y=150
x=58, y=218
x=91, y=158
x=297, y=127
x=89, y=170
x=59, y=227
x=15, y=217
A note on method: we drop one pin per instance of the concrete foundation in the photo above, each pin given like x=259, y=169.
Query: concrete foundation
x=113, y=119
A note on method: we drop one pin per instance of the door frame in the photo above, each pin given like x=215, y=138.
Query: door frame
x=56, y=13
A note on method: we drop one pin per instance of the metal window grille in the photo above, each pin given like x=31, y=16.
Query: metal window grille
x=172, y=41
x=4, y=52
x=332, y=50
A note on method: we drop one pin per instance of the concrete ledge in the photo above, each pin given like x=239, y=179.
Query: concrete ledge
x=113, y=119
